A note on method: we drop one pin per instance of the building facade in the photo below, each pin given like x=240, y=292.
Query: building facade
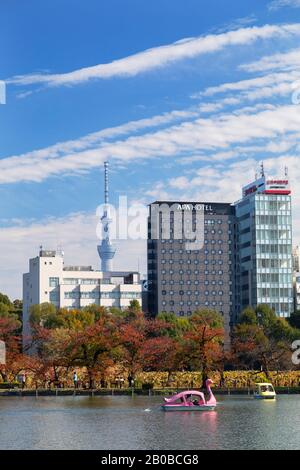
x=296, y=259
x=186, y=275
x=244, y=257
x=49, y=280
x=264, y=246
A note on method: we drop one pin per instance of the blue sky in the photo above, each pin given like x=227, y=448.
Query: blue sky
x=184, y=98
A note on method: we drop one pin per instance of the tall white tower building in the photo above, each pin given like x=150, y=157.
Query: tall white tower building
x=106, y=250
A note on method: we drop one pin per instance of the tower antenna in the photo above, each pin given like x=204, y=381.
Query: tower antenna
x=262, y=170
x=106, y=249
x=106, y=182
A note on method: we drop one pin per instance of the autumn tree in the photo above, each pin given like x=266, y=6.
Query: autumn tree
x=9, y=327
x=133, y=335
x=94, y=347
x=204, y=341
x=162, y=354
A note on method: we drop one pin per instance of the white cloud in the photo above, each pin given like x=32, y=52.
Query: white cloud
x=289, y=60
x=255, y=88
x=277, y=4
x=161, y=56
x=216, y=133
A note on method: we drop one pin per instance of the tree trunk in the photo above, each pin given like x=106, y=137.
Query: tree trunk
x=91, y=379
x=170, y=378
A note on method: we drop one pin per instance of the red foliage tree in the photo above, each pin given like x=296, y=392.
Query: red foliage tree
x=204, y=341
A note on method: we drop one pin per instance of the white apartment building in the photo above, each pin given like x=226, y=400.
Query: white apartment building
x=49, y=280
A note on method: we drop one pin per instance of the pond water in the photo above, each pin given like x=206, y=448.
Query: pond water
x=119, y=422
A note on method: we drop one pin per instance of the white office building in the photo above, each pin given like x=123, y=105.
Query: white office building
x=49, y=280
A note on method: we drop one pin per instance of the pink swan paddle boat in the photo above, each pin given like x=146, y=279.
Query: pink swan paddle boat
x=191, y=400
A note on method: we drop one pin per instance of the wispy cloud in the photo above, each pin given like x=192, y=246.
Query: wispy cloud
x=277, y=4
x=287, y=61
x=160, y=56
x=213, y=133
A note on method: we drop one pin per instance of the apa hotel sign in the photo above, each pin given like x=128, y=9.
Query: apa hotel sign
x=195, y=207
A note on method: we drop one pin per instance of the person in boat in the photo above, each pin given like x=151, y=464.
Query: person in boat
x=196, y=402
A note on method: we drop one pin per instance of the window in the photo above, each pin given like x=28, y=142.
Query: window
x=53, y=281
x=54, y=296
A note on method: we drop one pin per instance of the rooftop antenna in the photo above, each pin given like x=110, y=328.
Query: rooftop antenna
x=262, y=170
x=106, y=182
x=286, y=171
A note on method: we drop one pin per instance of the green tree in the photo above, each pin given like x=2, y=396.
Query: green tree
x=43, y=315
x=294, y=319
x=9, y=309
x=261, y=339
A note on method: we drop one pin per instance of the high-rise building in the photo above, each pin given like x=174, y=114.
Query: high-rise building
x=184, y=276
x=264, y=245
x=243, y=259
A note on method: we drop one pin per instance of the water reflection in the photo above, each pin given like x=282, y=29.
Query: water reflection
x=122, y=423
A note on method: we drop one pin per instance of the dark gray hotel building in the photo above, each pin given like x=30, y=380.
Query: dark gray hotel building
x=183, y=275
x=222, y=256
